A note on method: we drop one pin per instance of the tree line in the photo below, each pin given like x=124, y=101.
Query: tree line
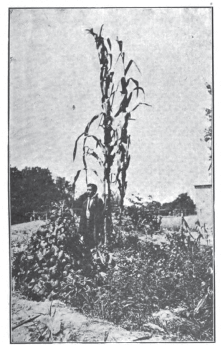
x=34, y=190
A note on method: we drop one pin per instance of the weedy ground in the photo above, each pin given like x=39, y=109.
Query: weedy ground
x=158, y=286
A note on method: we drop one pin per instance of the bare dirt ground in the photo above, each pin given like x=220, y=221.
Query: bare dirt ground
x=65, y=324
x=20, y=233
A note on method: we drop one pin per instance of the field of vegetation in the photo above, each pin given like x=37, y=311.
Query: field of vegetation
x=158, y=283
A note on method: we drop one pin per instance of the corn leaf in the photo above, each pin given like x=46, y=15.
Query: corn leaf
x=99, y=42
x=90, y=123
x=101, y=29
x=127, y=163
x=95, y=172
x=137, y=89
x=110, y=55
x=124, y=85
x=90, y=31
x=122, y=55
x=76, y=178
x=118, y=59
x=75, y=147
x=78, y=173
x=129, y=65
x=124, y=104
x=140, y=104
x=86, y=133
x=134, y=81
x=109, y=43
x=120, y=43
x=95, y=155
x=113, y=94
x=98, y=141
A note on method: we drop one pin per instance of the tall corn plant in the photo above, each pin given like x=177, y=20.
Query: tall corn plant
x=113, y=119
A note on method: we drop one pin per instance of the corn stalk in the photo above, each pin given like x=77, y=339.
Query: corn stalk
x=114, y=123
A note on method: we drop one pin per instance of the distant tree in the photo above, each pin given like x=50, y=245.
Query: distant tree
x=31, y=189
x=16, y=193
x=64, y=188
x=182, y=202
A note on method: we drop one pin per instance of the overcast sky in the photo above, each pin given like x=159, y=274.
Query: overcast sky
x=54, y=65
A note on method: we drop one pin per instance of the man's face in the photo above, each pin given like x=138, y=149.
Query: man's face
x=90, y=191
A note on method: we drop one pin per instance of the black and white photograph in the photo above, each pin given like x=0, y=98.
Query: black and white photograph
x=111, y=174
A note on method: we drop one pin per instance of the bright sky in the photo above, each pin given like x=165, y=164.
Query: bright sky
x=54, y=65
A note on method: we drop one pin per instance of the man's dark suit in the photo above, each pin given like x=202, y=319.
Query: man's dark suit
x=92, y=228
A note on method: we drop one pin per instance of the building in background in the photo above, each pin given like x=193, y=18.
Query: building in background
x=204, y=203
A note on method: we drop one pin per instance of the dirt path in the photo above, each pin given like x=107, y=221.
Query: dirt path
x=64, y=324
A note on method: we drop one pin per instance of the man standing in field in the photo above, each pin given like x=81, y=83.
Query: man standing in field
x=92, y=218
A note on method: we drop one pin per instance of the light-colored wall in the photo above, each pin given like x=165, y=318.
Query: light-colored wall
x=204, y=204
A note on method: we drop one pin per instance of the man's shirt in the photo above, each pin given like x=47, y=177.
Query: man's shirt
x=89, y=203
